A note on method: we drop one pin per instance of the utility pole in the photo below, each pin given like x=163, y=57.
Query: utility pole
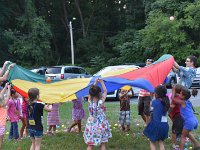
x=72, y=43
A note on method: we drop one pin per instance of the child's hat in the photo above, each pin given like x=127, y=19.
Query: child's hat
x=126, y=87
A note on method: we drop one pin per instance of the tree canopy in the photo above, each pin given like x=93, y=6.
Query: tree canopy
x=36, y=33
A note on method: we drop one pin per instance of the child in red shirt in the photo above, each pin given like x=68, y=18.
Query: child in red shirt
x=175, y=116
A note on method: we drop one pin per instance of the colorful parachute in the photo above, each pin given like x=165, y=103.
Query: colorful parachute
x=60, y=91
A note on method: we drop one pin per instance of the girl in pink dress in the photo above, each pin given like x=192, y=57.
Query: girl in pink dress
x=24, y=117
x=53, y=118
x=14, y=109
x=78, y=113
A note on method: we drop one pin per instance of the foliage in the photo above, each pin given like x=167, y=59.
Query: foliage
x=33, y=47
x=162, y=36
x=118, y=31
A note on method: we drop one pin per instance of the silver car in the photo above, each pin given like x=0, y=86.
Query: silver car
x=196, y=81
x=66, y=72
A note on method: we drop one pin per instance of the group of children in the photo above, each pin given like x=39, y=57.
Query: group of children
x=97, y=130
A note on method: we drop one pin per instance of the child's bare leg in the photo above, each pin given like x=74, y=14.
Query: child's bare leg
x=38, y=143
x=79, y=125
x=173, y=138
x=22, y=128
x=90, y=147
x=103, y=146
x=54, y=129
x=33, y=144
x=127, y=128
x=75, y=123
x=161, y=145
x=152, y=146
x=123, y=127
x=1, y=141
x=26, y=129
x=50, y=128
x=144, y=118
x=194, y=141
x=184, y=134
x=147, y=119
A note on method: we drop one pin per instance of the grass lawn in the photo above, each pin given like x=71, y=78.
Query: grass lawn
x=73, y=141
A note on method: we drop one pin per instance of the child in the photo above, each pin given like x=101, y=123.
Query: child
x=157, y=129
x=35, y=113
x=24, y=117
x=78, y=113
x=175, y=116
x=124, y=116
x=3, y=111
x=14, y=109
x=97, y=130
x=53, y=118
x=190, y=121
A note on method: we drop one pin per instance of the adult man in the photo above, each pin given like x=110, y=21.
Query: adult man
x=144, y=101
x=188, y=73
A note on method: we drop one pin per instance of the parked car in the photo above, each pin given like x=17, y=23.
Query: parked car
x=66, y=72
x=115, y=94
x=41, y=70
x=196, y=81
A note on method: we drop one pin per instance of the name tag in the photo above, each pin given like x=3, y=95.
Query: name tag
x=31, y=122
x=164, y=119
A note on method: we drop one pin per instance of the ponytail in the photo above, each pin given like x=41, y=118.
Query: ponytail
x=32, y=94
x=161, y=92
x=166, y=103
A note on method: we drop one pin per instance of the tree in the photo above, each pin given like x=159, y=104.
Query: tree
x=30, y=41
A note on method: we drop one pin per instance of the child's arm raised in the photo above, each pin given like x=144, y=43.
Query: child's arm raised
x=3, y=68
x=104, y=90
x=176, y=66
x=177, y=100
x=124, y=94
x=5, y=76
x=8, y=94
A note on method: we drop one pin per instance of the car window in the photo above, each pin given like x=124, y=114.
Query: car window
x=82, y=71
x=40, y=72
x=68, y=70
x=76, y=70
x=53, y=70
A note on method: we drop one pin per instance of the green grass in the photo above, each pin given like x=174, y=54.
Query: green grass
x=72, y=141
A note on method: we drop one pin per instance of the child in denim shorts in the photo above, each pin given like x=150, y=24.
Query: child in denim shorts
x=35, y=113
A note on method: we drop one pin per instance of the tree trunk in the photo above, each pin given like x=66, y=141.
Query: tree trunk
x=81, y=17
x=65, y=20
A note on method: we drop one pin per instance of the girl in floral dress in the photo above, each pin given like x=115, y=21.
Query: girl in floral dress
x=97, y=130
